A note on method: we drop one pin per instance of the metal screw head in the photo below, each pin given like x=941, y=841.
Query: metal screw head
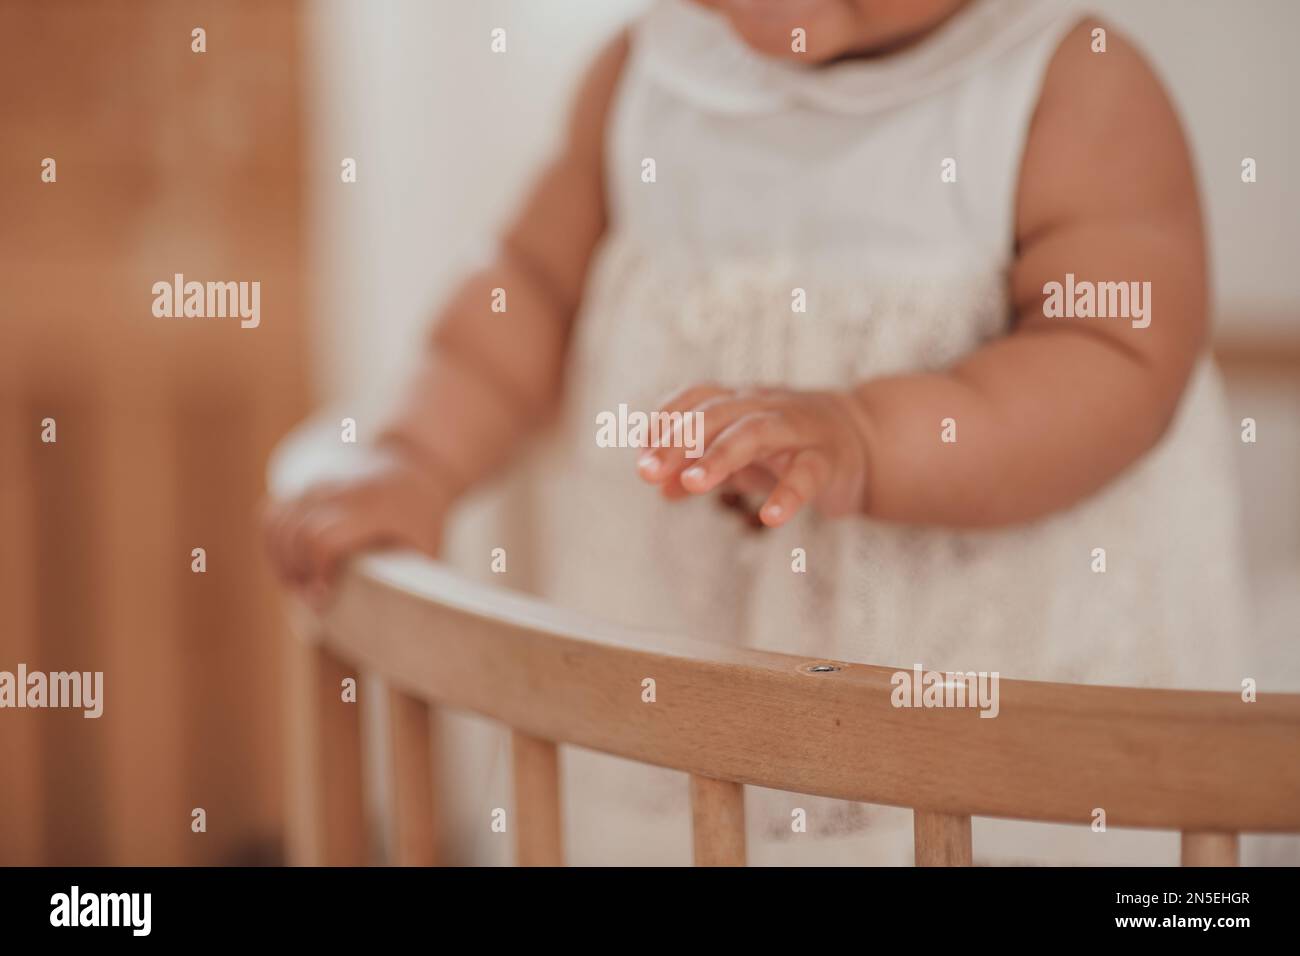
x=822, y=669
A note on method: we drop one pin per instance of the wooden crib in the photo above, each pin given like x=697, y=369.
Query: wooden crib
x=1207, y=764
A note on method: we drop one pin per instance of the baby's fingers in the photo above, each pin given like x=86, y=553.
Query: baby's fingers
x=272, y=516
x=326, y=537
x=663, y=465
x=281, y=521
x=747, y=440
x=652, y=465
x=334, y=534
x=807, y=475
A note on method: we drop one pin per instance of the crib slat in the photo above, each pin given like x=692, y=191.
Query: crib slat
x=341, y=821
x=22, y=798
x=149, y=595
x=414, y=810
x=941, y=839
x=536, y=823
x=718, y=820
x=1209, y=849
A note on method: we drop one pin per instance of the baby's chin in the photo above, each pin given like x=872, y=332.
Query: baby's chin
x=831, y=28
x=767, y=27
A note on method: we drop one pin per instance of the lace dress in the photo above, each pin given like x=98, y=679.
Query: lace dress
x=771, y=178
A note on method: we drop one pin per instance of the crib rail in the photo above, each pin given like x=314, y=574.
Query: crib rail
x=1207, y=764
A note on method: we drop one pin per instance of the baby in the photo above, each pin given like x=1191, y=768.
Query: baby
x=931, y=276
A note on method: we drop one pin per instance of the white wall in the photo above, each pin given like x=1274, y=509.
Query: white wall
x=1233, y=72
x=445, y=134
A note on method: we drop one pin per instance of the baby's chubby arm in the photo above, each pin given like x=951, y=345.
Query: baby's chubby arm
x=1045, y=415
x=487, y=379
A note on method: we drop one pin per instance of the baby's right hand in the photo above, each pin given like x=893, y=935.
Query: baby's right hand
x=396, y=503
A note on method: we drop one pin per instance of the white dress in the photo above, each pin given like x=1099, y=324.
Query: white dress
x=770, y=177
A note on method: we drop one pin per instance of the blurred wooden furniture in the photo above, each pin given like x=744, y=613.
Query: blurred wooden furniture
x=167, y=161
x=1207, y=764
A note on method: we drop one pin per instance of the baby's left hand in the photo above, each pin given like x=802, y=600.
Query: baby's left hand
x=796, y=447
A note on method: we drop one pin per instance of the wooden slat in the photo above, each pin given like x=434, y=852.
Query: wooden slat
x=414, y=817
x=1272, y=358
x=303, y=846
x=22, y=822
x=942, y=839
x=1152, y=758
x=342, y=838
x=537, y=826
x=143, y=570
x=184, y=163
x=226, y=622
x=75, y=621
x=1209, y=849
x=718, y=821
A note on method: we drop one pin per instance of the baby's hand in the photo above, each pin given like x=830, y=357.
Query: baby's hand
x=397, y=502
x=796, y=447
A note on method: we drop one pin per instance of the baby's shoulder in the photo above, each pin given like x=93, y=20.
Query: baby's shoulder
x=1105, y=139
x=1102, y=75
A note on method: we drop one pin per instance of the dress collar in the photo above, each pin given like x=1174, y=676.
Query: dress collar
x=692, y=51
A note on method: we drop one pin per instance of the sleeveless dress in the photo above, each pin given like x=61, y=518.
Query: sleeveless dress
x=771, y=177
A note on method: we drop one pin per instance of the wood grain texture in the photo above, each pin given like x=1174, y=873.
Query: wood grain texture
x=22, y=791
x=415, y=821
x=537, y=814
x=149, y=793
x=168, y=161
x=717, y=821
x=343, y=839
x=303, y=811
x=942, y=839
x=1209, y=849
x=1152, y=758
x=1260, y=358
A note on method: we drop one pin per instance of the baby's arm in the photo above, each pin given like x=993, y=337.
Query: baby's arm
x=1043, y=416
x=490, y=378
x=1057, y=409
x=487, y=379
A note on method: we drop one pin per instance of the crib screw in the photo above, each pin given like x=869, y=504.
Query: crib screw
x=822, y=669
